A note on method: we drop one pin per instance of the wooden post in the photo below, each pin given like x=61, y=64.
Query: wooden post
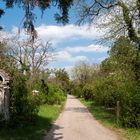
x=118, y=110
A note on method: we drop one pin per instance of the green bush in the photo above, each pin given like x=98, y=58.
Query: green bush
x=77, y=91
x=130, y=106
x=111, y=89
x=22, y=106
x=55, y=95
x=87, y=92
x=49, y=94
x=35, y=83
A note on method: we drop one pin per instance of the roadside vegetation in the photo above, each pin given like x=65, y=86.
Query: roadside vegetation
x=116, y=79
x=37, y=95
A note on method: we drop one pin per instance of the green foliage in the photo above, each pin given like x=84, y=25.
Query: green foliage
x=23, y=107
x=55, y=96
x=35, y=83
x=106, y=91
x=62, y=79
x=121, y=82
x=130, y=104
x=18, y=96
x=48, y=93
x=77, y=90
x=87, y=92
x=110, y=90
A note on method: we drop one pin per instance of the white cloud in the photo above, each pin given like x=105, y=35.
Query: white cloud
x=70, y=54
x=87, y=49
x=60, y=33
x=55, y=34
x=64, y=56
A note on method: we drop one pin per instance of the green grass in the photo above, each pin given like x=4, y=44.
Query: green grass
x=46, y=116
x=107, y=118
x=132, y=134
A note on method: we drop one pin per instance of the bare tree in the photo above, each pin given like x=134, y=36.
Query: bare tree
x=30, y=55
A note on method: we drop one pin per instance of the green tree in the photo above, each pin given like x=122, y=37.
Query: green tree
x=23, y=106
x=62, y=79
x=123, y=56
x=120, y=82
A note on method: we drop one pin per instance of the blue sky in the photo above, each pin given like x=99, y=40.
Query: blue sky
x=71, y=43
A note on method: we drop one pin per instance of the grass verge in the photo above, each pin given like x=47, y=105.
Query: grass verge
x=108, y=119
x=47, y=114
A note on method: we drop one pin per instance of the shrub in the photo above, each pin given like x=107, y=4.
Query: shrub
x=77, y=91
x=55, y=96
x=22, y=108
x=111, y=89
x=34, y=83
x=130, y=105
x=87, y=92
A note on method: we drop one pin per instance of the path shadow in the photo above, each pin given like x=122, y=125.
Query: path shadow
x=77, y=109
x=28, y=131
x=53, y=135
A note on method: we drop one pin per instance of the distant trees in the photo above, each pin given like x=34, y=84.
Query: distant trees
x=83, y=75
x=62, y=79
x=83, y=72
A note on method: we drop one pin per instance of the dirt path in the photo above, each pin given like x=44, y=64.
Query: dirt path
x=76, y=123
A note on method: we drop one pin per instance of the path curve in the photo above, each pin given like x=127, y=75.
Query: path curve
x=76, y=123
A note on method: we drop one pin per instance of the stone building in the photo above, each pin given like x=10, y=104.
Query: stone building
x=4, y=95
